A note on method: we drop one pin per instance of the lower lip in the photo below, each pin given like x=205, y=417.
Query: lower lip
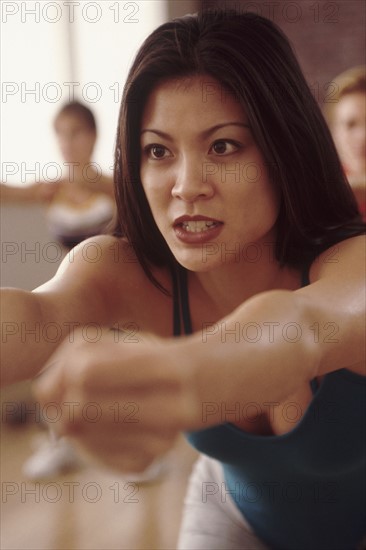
x=201, y=237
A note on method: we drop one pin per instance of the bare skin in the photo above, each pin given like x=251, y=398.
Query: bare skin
x=167, y=381
x=349, y=133
x=82, y=181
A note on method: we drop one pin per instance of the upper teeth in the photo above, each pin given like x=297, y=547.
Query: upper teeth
x=197, y=226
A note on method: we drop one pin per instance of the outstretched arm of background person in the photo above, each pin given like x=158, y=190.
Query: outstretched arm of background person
x=36, y=192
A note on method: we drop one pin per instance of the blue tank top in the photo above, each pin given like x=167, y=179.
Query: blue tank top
x=305, y=489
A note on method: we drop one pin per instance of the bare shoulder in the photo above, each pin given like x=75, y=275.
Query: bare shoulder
x=346, y=259
x=103, y=276
x=336, y=301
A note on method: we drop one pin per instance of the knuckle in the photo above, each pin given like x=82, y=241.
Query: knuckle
x=79, y=368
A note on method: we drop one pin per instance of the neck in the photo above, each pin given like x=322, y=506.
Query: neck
x=231, y=284
x=80, y=171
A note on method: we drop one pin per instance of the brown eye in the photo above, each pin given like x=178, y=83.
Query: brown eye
x=157, y=151
x=220, y=147
x=225, y=147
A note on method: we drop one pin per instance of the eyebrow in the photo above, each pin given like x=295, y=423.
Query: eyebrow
x=204, y=134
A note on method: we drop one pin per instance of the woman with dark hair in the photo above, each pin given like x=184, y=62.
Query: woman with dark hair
x=84, y=204
x=235, y=220
x=81, y=203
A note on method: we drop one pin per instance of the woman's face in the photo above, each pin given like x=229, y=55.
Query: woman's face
x=75, y=138
x=349, y=131
x=204, y=177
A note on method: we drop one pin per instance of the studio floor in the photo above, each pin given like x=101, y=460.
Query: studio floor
x=90, y=508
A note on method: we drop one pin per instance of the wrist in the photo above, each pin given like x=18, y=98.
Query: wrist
x=205, y=369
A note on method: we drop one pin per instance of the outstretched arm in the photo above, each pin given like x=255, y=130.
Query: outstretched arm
x=34, y=324
x=284, y=340
x=36, y=192
x=279, y=340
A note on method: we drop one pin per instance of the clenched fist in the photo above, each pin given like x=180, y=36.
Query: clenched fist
x=124, y=402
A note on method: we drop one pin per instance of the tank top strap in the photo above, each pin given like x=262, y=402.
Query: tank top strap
x=181, y=302
x=184, y=301
x=314, y=385
x=176, y=305
x=181, y=298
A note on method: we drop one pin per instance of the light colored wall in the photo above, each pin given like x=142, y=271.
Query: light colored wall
x=27, y=259
x=90, y=46
x=29, y=254
x=53, y=52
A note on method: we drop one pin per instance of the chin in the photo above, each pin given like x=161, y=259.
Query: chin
x=197, y=260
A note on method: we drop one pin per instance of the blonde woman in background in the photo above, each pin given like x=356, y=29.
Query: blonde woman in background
x=220, y=146
x=347, y=120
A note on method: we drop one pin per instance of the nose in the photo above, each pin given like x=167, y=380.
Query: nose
x=190, y=181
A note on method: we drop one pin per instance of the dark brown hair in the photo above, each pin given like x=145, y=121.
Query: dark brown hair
x=251, y=57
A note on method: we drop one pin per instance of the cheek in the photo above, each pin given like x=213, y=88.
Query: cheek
x=343, y=132
x=261, y=198
x=155, y=186
x=85, y=143
x=264, y=208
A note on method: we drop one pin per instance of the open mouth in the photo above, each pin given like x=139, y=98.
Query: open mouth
x=197, y=231
x=198, y=226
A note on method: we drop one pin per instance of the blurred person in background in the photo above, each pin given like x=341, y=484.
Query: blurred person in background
x=81, y=204
x=201, y=99
x=346, y=116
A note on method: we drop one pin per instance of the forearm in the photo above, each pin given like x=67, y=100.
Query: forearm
x=260, y=353
x=26, y=343
x=34, y=324
x=28, y=193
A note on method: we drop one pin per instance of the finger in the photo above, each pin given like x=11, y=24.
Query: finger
x=69, y=367
x=106, y=365
x=49, y=384
x=150, y=411
x=130, y=454
x=139, y=442
x=133, y=463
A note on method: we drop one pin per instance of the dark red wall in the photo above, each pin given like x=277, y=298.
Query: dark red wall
x=328, y=37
